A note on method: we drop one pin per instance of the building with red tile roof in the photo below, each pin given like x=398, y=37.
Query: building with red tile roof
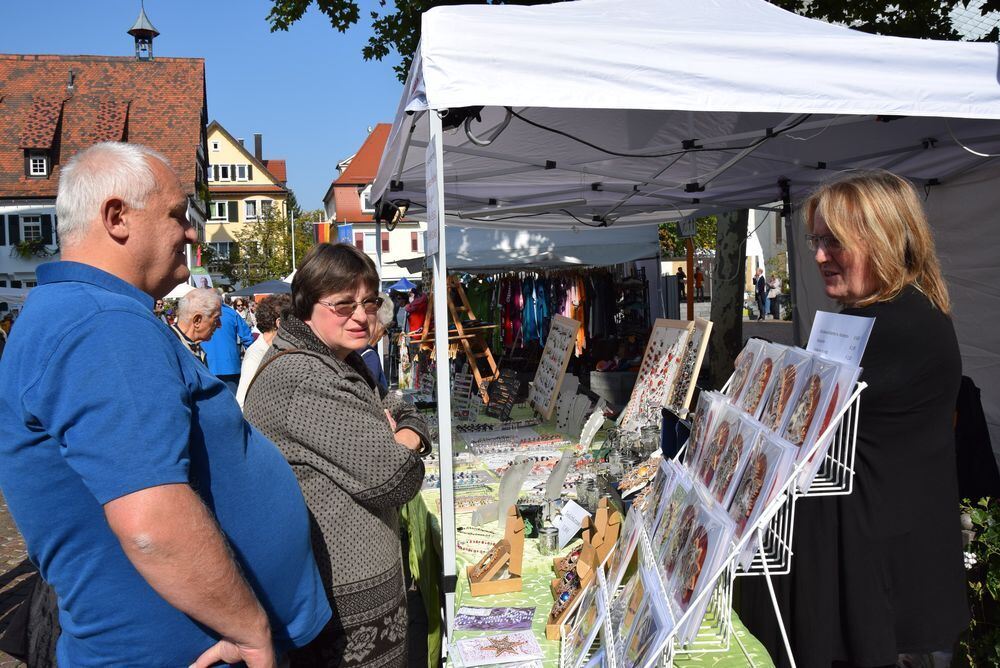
x=348, y=202
x=53, y=106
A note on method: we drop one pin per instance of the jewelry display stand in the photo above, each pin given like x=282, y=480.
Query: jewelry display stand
x=507, y=552
x=603, y=531
x=583, y=570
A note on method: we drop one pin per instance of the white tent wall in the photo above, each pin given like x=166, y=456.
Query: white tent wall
x=965, y=217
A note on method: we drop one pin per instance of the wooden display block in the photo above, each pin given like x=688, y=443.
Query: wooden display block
x=507, y=552
x=603, y=532
x=586, y=566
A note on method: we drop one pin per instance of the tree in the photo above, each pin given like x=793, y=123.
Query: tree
x=395, y=26
x=672, y=245
x=264, y=247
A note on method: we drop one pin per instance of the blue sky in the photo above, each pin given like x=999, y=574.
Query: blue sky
x=308, y=91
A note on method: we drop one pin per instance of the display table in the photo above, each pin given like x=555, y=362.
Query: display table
x=421, y=518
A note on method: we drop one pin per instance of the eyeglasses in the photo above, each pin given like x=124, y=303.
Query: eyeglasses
x=345, y=308
x=827, y=241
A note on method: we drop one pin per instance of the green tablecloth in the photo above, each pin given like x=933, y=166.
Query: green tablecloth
x=421, y=517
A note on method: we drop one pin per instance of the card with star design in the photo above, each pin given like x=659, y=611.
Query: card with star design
x=502, y=648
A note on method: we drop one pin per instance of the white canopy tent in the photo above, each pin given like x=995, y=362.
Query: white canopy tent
x=613, y=113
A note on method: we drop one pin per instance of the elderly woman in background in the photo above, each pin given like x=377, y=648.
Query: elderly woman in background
x=879, y=573
x=355, y=450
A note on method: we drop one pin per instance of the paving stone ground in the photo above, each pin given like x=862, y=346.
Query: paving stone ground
x=16, y=575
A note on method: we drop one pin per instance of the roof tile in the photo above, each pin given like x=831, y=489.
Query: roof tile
x=159, y=103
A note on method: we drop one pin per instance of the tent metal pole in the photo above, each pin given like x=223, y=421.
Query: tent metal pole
x=435, y=169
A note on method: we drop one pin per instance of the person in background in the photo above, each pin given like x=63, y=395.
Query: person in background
x=682, y=283
x=223, y=349
x=197, y=319
x=416, y=311
x=879, y=572
x=355, y=448
x=160, y=311
x=760, y=292
x=773, y=293
x=699, y=283
x=173, y=533
x=269, y=315
x=5, y=324
x=370, y=353
x=240, y=306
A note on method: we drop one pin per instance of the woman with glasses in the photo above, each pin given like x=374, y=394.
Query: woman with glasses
x=355, y=449
x=879, y=573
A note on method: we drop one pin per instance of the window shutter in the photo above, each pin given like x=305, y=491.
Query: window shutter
x=250, y=172
x=234, y=212
x=385, y=242
x=14, y=229
x=3, y=235
x=46, y=229
x=215, y=172
x=232, y=172
x=359, y=240
x=413, y=241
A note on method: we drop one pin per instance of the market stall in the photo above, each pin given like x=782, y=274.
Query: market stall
x=510, y=119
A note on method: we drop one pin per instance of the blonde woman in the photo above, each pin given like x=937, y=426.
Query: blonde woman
x=879, y=573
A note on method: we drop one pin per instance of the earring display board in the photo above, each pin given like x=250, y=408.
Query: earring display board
x=661, y=365
x=503, y=392
x=683, y=389
x=555, y=357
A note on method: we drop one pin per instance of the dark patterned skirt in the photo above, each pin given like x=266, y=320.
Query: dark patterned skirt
x=368, y=627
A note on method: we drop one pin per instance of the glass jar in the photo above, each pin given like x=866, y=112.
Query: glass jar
x=649, y=440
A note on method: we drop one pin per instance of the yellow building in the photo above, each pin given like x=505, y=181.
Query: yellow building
x=242, y=186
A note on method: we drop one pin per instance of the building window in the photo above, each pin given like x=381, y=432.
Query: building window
x=218, y=210
x=215, y=146
x=241, y=172
x=250, y=209
x=366, y=200
x=208, y=172
x=223, y=172
x=265, y=207
x=31, y=228
x=385, y=242
x=417, y=242
x=31, y=284
x=38, y=163
x=369, y=242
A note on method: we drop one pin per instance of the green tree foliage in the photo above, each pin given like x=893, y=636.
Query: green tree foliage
x=672, y=245
x=264, y=247
x=395, y=25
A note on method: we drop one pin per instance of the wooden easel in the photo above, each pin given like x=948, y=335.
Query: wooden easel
x=509, y=552
x=472, y=340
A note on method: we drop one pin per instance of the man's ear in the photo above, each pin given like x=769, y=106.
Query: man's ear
x=113, y=220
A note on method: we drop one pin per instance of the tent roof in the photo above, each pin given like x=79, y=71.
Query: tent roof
x=271, y=287
x=685, y=109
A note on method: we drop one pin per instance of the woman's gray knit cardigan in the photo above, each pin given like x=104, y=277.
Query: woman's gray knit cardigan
x=329, y=420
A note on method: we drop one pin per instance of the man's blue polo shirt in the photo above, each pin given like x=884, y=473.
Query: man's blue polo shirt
x=223, y=349
x=98, y=399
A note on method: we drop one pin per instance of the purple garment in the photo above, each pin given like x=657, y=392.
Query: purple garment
x=494, y=619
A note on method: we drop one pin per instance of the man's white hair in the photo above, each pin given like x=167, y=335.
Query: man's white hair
x=199, y=301
x=108, y=169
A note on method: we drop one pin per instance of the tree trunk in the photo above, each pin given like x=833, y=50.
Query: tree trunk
x=727, y=297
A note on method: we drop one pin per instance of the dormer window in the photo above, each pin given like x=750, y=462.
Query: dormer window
x=38, y=163
x=366, y=200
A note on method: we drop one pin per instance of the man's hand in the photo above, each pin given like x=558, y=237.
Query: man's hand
x=227, y=652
